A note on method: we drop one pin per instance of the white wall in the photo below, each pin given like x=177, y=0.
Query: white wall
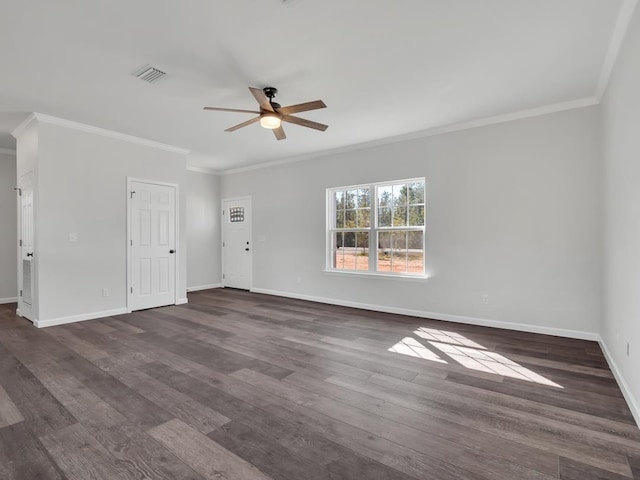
x=513, y=211
x=8, y=231
x=203, y=230
x=81, y=188
x=621, y=147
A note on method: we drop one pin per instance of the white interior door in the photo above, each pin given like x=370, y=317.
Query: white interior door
x=26, y=247
x=236, y=243
x=152, y=243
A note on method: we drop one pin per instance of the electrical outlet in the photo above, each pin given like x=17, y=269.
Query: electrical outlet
x=106, y=292
x=485, y=299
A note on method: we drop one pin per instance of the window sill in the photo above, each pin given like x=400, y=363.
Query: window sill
x=349, y=273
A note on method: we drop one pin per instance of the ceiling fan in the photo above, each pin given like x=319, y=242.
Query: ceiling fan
x=272, y=114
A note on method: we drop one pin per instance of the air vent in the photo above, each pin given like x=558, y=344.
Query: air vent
x=149, y=74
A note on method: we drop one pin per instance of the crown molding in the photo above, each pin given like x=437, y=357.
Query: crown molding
x=617, y=38
x=40, y=117
x=210, y=171
x=7, y=151
x=19, y=130
x=456, y=127
x=625, y=16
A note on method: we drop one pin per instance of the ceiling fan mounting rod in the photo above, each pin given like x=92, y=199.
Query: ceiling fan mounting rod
x=270, y=92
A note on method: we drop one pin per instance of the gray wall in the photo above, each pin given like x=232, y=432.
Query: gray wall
x=8, y=228
x=81, y=188
x=513, y=211
x=203, y=230
x=621, y=125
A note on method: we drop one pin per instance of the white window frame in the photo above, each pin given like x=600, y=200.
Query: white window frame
x=373, y=230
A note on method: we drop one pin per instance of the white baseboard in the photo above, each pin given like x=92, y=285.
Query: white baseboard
x=634, y=406
x=78, y=318
x=483, y=322
x=9, y=300
x=204, y=287
x=182, y=301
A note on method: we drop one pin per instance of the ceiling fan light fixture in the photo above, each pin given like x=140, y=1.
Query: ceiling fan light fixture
x=270, y=121
x=272, y=114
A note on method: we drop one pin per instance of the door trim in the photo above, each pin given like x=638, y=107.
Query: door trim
x=177, y=257
x=246, y=198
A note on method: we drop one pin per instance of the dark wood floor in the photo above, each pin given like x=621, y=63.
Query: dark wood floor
x=236, y=385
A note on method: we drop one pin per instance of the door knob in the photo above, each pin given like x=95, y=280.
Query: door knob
x=172, y=251
x=30, y=254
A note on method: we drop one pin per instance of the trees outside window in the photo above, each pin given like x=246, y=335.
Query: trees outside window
x=377, y=228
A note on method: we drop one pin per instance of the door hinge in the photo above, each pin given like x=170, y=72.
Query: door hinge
x=131, y=242
x=132, y=192
x=223, y=213
x=19, y=190
x=20, y=243
x=20, y=292
x=131, y=289
x=223, y=244
x=223, y=275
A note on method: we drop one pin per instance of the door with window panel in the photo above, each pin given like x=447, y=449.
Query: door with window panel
x=236, y=243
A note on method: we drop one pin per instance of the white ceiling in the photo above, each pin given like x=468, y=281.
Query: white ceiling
x=384, y=68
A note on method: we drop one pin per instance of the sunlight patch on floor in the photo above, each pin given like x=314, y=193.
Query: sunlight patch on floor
x=446, y=337
x=413, y=348
x=467, y=353
x=491, y=362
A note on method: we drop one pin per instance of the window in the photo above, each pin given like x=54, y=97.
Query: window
x=377, y=228
x=236, y=214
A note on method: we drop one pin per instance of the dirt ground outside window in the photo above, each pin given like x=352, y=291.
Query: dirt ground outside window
x=358, y=259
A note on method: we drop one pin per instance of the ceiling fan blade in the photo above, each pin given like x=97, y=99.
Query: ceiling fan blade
x=229, y=110
x=243, y=124
x=279, y=133
x=304, y=123
x=302, y=107
x=262, y=99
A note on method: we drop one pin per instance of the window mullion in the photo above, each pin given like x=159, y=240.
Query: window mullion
x=373, y=227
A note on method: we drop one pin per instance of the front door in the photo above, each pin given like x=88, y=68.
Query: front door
x=152, y=243
x=236, y=243
x=26, y=271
